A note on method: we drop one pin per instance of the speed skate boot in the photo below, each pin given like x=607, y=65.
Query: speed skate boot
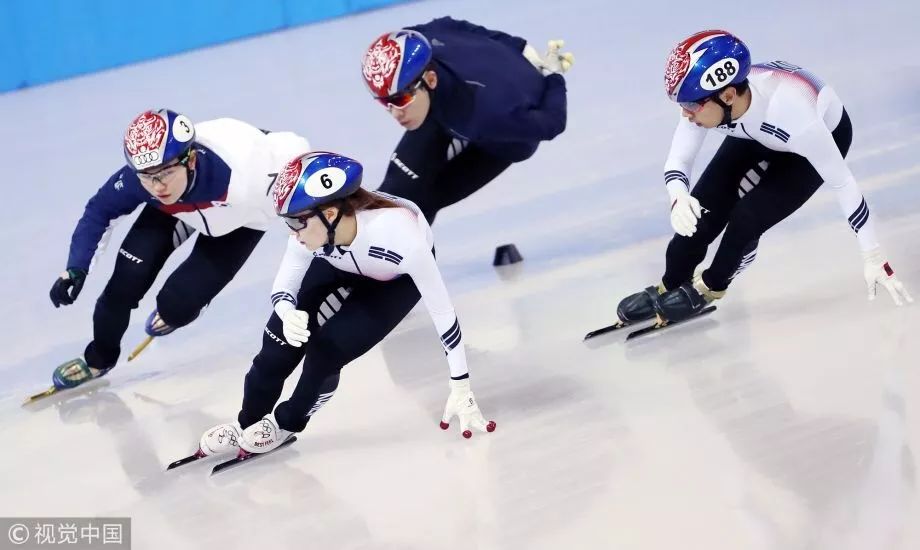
x=686, y=300
x=639, y=306
x=75, y=372
x=263, y=436
x=221, y=439
x=156, y=326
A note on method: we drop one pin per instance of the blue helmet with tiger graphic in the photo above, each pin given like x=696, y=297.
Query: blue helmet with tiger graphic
x=705, y=63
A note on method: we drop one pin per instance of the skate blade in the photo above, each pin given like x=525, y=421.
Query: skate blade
x=604, y=330
x=661, y=324
x=250, y=456
x=33, y=398
x=140, y=347
x=55, y=396
x=183, y=461
x=53, y=389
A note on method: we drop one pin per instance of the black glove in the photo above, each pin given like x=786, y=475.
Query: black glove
x=59, y=290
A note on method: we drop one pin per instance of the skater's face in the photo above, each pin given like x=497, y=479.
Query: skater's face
x=415, y=109
x=314, y=234
x=168, y=183
x=708, y=113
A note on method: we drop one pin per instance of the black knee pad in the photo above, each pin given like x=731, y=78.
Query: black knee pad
x=178, y=307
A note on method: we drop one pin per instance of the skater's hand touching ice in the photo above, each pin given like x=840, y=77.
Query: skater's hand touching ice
x=878, y=273
x=462, y=403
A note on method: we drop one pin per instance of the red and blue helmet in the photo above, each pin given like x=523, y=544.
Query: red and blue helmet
x=395, y=61
x=314, y=179
x=155, y=138
x=705, y=63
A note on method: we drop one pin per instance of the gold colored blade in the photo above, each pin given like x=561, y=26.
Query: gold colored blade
x=140, y=347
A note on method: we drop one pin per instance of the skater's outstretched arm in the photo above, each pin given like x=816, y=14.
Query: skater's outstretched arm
x=817, y=145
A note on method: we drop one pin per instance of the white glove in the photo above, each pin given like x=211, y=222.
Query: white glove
x=462, y=404
x=685, y=211
x=553, y=62
x=878, y=272
x=295, y=327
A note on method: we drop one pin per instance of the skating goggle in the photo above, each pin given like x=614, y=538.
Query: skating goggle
x=403, y=99
x=695, y=106
x=298, y=223
x=159, y=176
x=162, y=173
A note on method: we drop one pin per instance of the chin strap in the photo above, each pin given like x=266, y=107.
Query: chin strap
x=191, y=177
x=726, y=110
x=329, y=247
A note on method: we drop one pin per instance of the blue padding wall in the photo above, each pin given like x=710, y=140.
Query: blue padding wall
x=46, y=40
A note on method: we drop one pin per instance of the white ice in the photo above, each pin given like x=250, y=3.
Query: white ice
x=787, y=420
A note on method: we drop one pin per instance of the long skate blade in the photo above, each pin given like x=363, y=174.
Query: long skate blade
x=32, y=398
x=53, y=389
x=657, y=326
x=183, y=461
x=240, y=459
x=140, y=347
x=604, y=330
x=55, y=396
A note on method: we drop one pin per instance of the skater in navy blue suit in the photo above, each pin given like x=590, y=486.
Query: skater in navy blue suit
x=472, y=100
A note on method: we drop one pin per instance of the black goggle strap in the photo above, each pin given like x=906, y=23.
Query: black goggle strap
x=329, y=247
x=191, y=175
x=726, y=110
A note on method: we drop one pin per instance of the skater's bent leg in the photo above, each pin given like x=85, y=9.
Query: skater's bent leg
x=277, y=359
x=741, y=232
x=369, y=313
x=685, y=253
x=144, y=251
x=415, y=166
x=270, y=368
x=465, y=174
x=211, y=265
x=789, y=182
x=717, y=191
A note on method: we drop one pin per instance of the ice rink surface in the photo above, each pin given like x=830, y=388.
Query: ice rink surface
x=789, y=419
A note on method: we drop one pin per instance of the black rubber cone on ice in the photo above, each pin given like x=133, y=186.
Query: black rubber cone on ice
x=507, y=254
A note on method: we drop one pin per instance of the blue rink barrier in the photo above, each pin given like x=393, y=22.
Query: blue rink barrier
x=46, y=40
